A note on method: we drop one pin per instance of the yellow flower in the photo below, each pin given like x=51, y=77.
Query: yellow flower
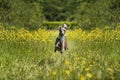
x=87, y=69
x=43, y=40
x=67, y=72
x=54, y=73
x=89, y=75
x=82, y=77
x=67, y=62
x=50, y=40
x=112, y=78
x=91, y=65
x=109, y=69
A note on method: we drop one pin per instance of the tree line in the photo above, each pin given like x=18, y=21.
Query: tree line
x=87, y=13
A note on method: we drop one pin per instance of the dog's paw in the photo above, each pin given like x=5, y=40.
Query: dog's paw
x=61, y=51
x=66, y=48
x=55, y=50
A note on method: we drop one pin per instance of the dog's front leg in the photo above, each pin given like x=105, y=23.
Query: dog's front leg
x=66, y=45
x=56, y=44
x=63, y=45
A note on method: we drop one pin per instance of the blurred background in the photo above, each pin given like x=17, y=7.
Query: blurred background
x=34, y=14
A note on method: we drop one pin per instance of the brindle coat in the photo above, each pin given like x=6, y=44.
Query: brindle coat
x=61, y=41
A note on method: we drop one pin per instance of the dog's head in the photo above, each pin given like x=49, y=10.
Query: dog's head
x=62, y=31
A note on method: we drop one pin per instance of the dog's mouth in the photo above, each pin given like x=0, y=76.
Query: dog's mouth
x=62, y=34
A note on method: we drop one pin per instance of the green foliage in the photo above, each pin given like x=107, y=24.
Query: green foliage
x=22, y=13
x=31, y=14
x=55, y=25
x=98, y=13
x=59, y=10
x=33, y=60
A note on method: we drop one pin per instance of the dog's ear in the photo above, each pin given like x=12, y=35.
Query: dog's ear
x=60, y=27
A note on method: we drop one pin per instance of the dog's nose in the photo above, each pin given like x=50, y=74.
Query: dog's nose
x=62, y=33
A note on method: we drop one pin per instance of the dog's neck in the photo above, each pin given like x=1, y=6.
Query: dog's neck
x=61, y=37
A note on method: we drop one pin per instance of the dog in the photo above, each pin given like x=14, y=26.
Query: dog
x=61, y=41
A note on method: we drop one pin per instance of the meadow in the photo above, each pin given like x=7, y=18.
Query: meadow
x=29, y=55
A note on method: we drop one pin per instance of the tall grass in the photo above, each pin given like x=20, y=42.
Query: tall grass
x=26, y=55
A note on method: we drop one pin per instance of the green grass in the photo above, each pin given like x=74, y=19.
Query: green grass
x=37, y=61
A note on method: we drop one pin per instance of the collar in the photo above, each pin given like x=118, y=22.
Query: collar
x=61, y=37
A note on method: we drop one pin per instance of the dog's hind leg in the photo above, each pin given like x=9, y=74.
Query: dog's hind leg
x=62, y=45
x=57, y=42
x=61, y=52
x=66, y=45
x=55, y=50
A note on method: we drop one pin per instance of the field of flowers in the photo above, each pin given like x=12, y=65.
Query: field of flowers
x=29, y=55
